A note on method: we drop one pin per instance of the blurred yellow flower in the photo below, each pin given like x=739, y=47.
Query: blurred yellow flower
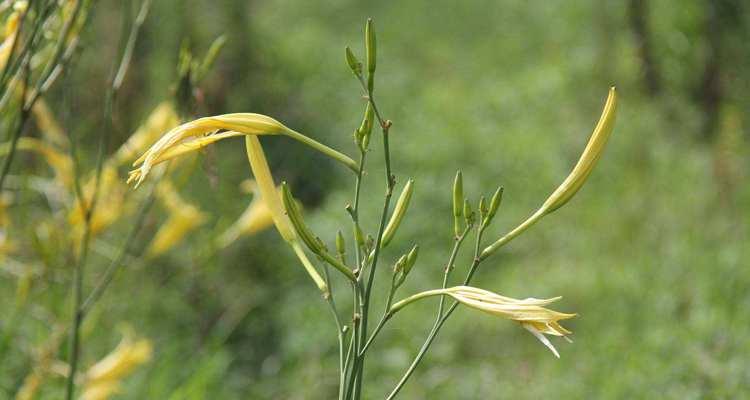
x=48, y=125
x=162, y=118
x=529, y=312
x=183, y=218
x=110, y=201
x=61, y=163
x=256, y=217
x=103, y=378
x=11, y=30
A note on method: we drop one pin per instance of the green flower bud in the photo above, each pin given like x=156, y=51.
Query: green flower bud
x=340, y=245
x=482, y=208
x=468, y=213
x=312, y=242
x=398, y=268
x=458, y=201
x=404, y=265
x=370, y=46
x=497, y=199
x=359, y=236
x=354, y=64
x=411, y=259
x=365, y=128
x=398, y=213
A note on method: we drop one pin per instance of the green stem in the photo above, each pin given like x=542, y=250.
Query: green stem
x=390, y=182
x=489, y=250
x=323, y=149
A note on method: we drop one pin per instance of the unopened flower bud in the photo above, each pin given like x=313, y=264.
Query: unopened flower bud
x=497, y=199
x=458, y=201
x=354, y=64
x=370, y=46
x=340, y=244
x=398, y=213
x=313, y=243
x=468, y=213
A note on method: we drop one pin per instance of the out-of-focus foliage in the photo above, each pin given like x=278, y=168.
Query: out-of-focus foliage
x=652, y=253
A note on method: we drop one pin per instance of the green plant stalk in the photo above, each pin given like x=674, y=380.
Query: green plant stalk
x=117, y=263
x=356, y=286
x=489, y=250
x=390, y=183
x=16, y=135
x=339, y=326
x=89, y=211
x=388, y=313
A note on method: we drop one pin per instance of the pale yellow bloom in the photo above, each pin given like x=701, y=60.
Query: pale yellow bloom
x=162, y=118
x=194, y=135
x=103, y=378
x=530, y=312
x=267, y=188
x=576, y=178
x=589, y=157
x=256, y=217
x=201, y=132
x=183, y=218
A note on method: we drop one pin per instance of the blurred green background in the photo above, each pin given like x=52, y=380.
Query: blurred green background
x=652, y=253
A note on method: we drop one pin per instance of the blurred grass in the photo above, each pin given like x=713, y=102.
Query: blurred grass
x=652, y=253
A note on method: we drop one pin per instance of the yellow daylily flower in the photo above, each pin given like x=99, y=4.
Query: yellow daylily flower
x=196, y=134
x=576, y=178
x=103, y=378
x=183, y=218
x=530, y=312
x=267, y=188
x=199, y=133
x=256, y=217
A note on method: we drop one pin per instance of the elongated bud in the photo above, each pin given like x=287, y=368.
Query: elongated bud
x=411, y=259
x=468, y=213
x=575, y=179
x=398, y=213
x=458, y=202
x=370, y=46
x=482, y=208
x=365, y=128
x=589, y=157
x=354, y=64
x=398, y=268
x=359, y=236
x=497, y=199
x=312, y=242
x=403, y=266
x=340, y=244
